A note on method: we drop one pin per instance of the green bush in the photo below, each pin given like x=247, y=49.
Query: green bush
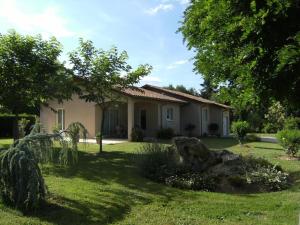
x=289, y=140
x=137, y=135
x=268, y=178
x=165, y=133
x=292, y=123
x=22, y=126
x=240, y=129
x=155, y=161
x=275, y=118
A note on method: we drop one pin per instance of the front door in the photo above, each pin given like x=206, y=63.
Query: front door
x=225, y=123
x=204, y=120
x=143, y=119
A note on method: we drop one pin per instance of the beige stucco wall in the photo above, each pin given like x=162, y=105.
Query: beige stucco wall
x=191, y=114
x=76, y=110
x=216, y=114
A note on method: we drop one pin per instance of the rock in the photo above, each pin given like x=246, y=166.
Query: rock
x=194, y=155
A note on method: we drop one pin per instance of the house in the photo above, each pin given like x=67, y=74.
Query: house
x=149, y=108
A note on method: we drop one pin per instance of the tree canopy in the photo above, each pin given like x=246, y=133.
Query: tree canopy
x=102, y=74
x=30, y=72
x=183, y=89
x=250, y=49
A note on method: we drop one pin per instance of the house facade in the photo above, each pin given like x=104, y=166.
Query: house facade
x=148, y=108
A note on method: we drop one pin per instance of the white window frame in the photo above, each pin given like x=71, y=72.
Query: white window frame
x=170, y=116
x=63, y=118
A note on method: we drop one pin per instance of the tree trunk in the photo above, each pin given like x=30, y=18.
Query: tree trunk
x=101, y=131
x=16, y=134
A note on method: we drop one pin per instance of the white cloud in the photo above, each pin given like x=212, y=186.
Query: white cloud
x=48, y=21
x=176, y=64
x=160, y=7
x=184, y=2
x=151, y=79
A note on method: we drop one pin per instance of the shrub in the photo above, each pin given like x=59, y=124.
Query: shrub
x=165, y=133
x=289, y=140
x=190, y=128
x=137, y=135
x=155, y=161
x=292, y=123
x=213, y=128
x=240, y=129
x=193, y=181
x=268, y=178
x=7, y=121
x=275, y=118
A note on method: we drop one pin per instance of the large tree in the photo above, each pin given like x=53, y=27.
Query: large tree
x=30, y=73
x=250, y=48
x=102, y=74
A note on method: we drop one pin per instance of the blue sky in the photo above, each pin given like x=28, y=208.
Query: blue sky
x=145, y=29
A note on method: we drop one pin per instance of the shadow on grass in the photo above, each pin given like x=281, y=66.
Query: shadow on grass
x=119, y=188
x=270, y=148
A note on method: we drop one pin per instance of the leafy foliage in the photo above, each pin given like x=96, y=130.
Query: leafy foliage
x=21, y=181
x=22, y=124
x=268, y=178
x=249, y=49
x=275, y=118
x=154, y=161
x=240, y=129
x=181, y=88
x=290, y=141
x=292, y=123
x=30, y=73
x=102, y=74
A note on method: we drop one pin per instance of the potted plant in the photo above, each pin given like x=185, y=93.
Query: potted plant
x=98, y=136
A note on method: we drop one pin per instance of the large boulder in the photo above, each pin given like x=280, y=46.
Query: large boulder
x=194, y=154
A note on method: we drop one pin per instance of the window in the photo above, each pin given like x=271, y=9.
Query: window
x=169, y=113
x=60, y=119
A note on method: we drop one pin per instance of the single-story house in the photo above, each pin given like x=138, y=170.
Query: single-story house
x=148, y=108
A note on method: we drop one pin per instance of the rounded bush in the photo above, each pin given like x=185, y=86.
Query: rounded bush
x=289, y=140
x=240, y=129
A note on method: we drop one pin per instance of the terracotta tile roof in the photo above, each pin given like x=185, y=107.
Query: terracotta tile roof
x=145, y=93
x=181, y=95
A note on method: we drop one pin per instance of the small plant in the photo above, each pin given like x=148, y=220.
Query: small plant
x=289, y=140
x=22, y=125
x=190, y=128
x=240, y=129
x=213, y=128
x=292, y=123
x=98, y=136
x=165, y=133
x=137, y=135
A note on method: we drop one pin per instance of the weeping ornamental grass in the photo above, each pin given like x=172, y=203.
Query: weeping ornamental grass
x=21, y=181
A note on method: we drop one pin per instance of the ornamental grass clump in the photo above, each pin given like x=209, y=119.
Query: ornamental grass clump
x=21, y=182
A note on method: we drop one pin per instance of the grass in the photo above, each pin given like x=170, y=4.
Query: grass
x=108, y=190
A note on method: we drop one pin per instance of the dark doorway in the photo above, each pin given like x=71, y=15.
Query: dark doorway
x=143, y=119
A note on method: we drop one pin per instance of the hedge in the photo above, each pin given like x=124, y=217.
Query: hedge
x=7, y=121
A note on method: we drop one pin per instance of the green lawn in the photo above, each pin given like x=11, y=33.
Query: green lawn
x=108, y=190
